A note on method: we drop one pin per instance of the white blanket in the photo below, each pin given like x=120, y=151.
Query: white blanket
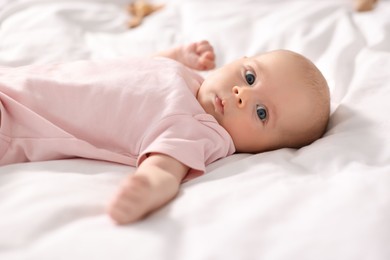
x=329, y=200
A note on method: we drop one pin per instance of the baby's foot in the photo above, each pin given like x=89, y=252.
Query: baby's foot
x=133, y=201
x=197, y=55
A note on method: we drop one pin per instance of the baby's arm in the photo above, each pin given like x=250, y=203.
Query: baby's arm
x=196, y=55
x=155, y=183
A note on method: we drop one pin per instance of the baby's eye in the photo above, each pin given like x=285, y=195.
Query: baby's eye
x=261, y=113
x=250, y=77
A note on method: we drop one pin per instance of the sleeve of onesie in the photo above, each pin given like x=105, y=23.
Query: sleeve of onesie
x=188, y=140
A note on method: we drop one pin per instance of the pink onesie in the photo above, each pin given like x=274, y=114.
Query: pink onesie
x=115, y=110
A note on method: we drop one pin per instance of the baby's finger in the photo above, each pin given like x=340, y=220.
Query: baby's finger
x=206, y=64
x=203, y=47
x=117, y=214
x=191, y=47
x=203, y=42
x=208, y=55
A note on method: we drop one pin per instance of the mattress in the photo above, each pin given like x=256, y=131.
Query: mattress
x=327, y=200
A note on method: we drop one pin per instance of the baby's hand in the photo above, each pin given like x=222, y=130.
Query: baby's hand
x=155, y=183
x=133, y=200
x=197, y=55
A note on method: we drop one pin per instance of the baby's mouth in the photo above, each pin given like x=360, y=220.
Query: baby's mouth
x=219, y=107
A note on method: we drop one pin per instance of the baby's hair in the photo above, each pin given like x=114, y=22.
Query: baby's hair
x=317, y=124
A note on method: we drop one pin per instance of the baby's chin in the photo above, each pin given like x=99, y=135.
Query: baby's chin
x=252, y=147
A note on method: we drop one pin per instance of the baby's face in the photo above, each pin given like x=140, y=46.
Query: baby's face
x=258, y=100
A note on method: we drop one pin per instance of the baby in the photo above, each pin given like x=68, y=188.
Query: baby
x=160, y=116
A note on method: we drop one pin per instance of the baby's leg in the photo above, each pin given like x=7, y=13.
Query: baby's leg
x=154, y=184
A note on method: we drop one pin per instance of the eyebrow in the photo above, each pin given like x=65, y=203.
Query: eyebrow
x=257, y=63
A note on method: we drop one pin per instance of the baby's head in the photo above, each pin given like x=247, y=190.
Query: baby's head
x=274, y=100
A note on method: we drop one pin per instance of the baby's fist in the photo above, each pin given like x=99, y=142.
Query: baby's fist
x=198, y=55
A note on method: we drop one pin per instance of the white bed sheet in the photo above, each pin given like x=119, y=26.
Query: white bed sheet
x=329, y=200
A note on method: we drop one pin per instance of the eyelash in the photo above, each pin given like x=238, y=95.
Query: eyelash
x=250, y=73
x=258, y=107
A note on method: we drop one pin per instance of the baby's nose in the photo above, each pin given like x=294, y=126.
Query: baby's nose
x=239, y=96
